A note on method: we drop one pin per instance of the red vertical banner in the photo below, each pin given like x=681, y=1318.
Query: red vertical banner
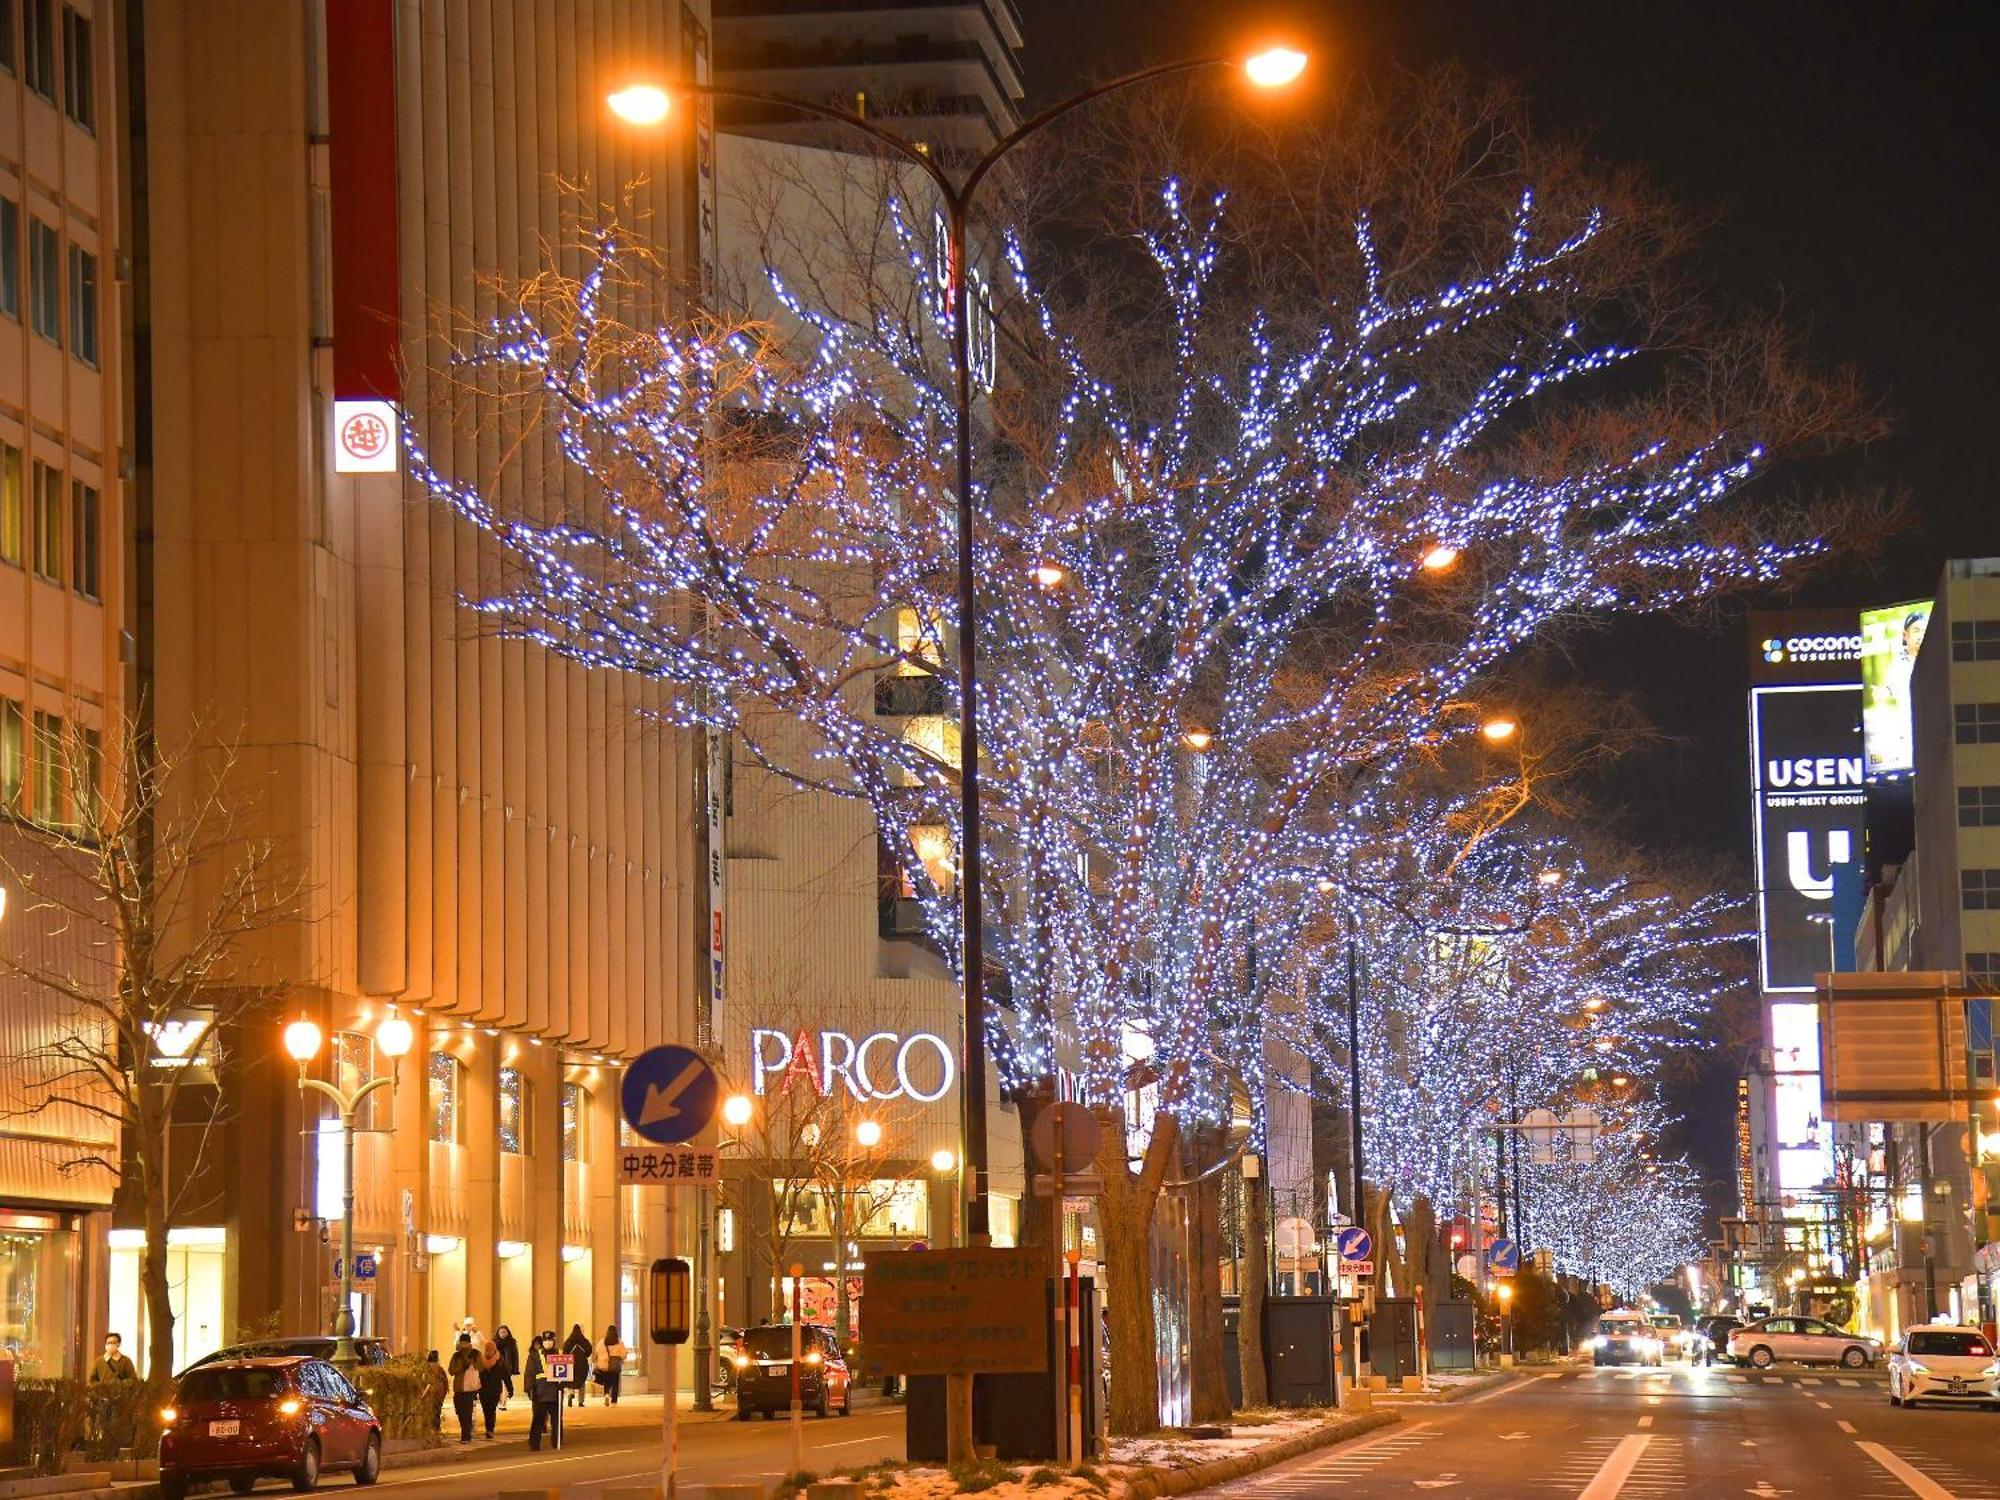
x=363, y=220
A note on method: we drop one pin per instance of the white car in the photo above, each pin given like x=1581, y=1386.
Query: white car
x=1624, y=1338
x=1943, y=1362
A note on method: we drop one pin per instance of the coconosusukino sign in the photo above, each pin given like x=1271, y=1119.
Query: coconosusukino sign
x=881, y=1065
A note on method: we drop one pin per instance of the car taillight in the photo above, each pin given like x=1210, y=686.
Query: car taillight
x=814, y=1357
x=291, y=1406
x=169, y=1416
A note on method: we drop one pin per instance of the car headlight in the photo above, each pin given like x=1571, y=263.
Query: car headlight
x=1649, y=1346
x=815, y=1357
x=742, y=1363
x=1593, y=1342
x=1913, y=1368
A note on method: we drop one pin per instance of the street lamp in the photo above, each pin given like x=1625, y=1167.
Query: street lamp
x=647, y=105
x=1439, y=559
x=869, y=1134
x=1499, y=729
x=736, y=1111
x=303, y=1040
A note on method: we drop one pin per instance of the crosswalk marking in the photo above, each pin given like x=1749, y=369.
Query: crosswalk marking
x=1914, y=1479
x=1609, y=1480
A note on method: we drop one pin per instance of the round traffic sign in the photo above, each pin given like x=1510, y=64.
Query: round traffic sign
x=669, y=1094
x=1503, y=1255
x=1354, y=1243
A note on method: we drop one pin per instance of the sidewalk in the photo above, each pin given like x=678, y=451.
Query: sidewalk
x=510, y=1428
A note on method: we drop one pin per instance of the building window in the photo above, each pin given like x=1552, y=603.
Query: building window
x=1975, y=640
x=517, y=1098
x=1983, y=968
x=79, y=82
x=11, y=512
x=445, y=1075
x=49, y=772
x=48, y=522
x=1976, y=723
x=13, y=758
x=7, y=35
x=45, y=280
x=83, y=305
x=10, y=255
x=354, y=1064
x=85, y=525
x=576, y=1122
x=1979, y=890
x=1979, y=807
x=89, y=780
x=38, y=46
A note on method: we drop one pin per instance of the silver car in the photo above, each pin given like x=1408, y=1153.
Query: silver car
x=1806, y=1341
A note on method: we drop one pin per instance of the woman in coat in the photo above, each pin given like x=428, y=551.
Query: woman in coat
x=510, y=1362
x=610, y=1364
x=492, y=1379
x=579, y=1349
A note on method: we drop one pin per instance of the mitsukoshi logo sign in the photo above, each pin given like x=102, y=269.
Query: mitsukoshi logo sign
x=881, y=1065
x=1809, y=802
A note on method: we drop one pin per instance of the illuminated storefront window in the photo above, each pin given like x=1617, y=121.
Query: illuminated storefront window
x=37, y=1316
x=576, y=1122
x=443, y=1099
x=517, y=1097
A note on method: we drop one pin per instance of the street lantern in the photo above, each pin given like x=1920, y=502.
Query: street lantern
x=869, y=1134
x=1499, y=729
x=641, y=104
x=1440, y=558
x=670, y=1296
x=1275, y=67
x=736, y=1110
x=942, y=1160
x=302, y=1040
x=395, y=1036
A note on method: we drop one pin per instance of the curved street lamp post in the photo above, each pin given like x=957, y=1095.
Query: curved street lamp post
x=303, y=1040
x=648, y=105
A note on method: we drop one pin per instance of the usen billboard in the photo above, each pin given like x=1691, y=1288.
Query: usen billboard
x=1889, y=641
x=1809, y=796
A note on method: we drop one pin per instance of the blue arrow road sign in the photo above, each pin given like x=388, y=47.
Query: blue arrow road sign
x=1503, y=1255
x=1354, y=1244
x=669, y=1094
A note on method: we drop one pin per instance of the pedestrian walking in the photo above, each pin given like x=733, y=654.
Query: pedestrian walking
x=464, y=1373
x=113, y=1379
x=510, y=1362
x=437, y=1386
x=579, y=1349
x=491, y=1380
x=609, y=1364
x=545, y=1395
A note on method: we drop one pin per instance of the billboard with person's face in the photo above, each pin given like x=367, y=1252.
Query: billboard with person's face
x=1889, y=641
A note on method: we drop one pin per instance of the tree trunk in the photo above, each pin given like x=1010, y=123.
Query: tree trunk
x=1387, y=1257
x=153, y=1278
x=1209, y=1394
x=1129, y=1201
x=841, y=1313
x=1256, y=1276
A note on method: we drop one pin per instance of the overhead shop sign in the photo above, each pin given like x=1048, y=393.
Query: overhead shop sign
x=1809, y=798
x=919, y=1065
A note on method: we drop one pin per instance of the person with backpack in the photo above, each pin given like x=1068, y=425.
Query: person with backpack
x=437, y=1387
x=608, y=1364
x=464, y=1373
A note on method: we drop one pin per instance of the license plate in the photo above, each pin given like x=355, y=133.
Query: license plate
x=1957, y=1388
x=776, y=1369
x=224, y=1429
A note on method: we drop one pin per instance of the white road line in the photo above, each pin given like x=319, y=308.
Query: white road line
x=1822, y=1405
x=1643, y=1421
x=1610, y=1479
x=1518, y=1385
x=1845, y=1426
x=1803, y=1379
x=1914, y=1479
x=1837, y=1380
x=426, y=1472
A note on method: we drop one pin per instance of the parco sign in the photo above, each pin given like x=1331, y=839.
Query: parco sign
x=881, y=1065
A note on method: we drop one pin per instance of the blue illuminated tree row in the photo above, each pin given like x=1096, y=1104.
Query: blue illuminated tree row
x=1234, y=607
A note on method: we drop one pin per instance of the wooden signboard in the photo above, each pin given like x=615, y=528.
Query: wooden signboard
x=955, y=1312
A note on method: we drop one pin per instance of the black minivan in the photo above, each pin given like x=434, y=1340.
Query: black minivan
x=764, y=1371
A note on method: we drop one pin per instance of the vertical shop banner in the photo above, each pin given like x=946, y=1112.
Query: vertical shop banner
x=1809, y=799
x=1890, y=639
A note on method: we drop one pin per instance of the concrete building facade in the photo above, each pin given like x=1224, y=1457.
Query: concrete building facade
x=497, y=844
x=63, y=619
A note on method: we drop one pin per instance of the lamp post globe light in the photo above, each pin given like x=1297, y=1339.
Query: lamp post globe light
x=303, y=1040
x=647, y=104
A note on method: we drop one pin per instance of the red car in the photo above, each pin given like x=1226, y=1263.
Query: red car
x=248, y=1419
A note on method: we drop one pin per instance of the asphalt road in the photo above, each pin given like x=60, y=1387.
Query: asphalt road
x=616, y=1457
x=1659, y=1435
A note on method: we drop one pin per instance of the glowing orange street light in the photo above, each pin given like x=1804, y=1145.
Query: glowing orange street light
x=1439, y=558
x=641, y=104
x=1550, y=877
x=1197, y=739
x=1275, y=67
x=1049, y=575
x=1499, y=730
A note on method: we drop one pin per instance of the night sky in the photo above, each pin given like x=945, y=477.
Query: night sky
x=1848, y=151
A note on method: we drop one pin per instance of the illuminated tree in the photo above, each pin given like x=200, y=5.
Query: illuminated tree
x=1229, y=601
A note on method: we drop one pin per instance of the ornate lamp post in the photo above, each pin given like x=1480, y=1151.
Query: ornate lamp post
x=303, y=1040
